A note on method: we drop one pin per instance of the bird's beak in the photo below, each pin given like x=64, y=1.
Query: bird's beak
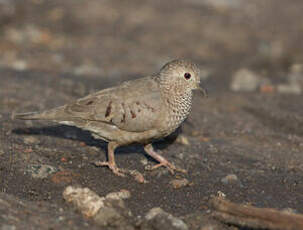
x=202, y=90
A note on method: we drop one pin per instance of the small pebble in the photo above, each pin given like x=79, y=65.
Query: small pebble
x=64, y=177
x=179, y=183
x=244, y=80
x=295, y=82
x=123, y=194
x=41, y=171
x=267, y=89
x=144, y=161
x=156, y=218
x=29, y=140
x=19, y=65
x=289, y=89
x=221, y=194
x=229, y=179
x=183, y=140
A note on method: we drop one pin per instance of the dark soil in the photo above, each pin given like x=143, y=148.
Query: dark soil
x=54, y=52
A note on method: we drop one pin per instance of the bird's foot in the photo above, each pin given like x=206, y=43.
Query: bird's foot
x=118, y=171
x=171, y=168
x=122, y=172
x=162, y=161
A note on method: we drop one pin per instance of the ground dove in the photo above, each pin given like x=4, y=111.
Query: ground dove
x=138, y=111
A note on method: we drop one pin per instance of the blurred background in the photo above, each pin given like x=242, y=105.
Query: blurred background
x=245, y=45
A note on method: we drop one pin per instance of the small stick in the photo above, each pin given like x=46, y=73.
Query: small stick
x=252, y=217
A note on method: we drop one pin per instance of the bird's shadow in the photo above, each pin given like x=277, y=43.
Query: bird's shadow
x=77, y=134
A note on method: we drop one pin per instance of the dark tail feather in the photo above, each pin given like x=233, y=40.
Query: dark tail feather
x=55, y=114
x=27, y=116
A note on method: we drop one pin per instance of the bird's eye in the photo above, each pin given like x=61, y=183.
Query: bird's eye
x=187, y=76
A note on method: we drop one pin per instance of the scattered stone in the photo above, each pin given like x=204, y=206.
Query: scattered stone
x=221, y=194
x=84, y=199
x=30, y=140
x=88, y=202
x=229, y=179
x=203, y=221
x=64, y=177
x=144, y=161
x=19, y=65
x=289, y=89
x=244, y=80
x=157, y=219
x=179, y=183
x=41, y=171
x=123, y=194
x=137, y=176
x=203, y=139
x=109, y=211
x=183, y=140
x=114, y=215
x=295, y=82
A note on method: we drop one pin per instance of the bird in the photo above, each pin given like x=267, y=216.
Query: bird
x=138, y=111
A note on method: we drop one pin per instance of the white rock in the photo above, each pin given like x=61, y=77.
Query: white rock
x=245, y=80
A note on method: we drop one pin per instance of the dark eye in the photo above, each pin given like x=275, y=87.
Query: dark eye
x=187, y=76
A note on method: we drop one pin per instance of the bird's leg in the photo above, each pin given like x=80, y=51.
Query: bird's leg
x=111, y=160
x=162, y=161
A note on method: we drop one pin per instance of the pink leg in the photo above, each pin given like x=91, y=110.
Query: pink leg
x=162, y=161
x=111, y=160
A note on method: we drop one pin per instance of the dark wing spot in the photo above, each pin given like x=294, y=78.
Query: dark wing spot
x=89, y=102
x=133, y=114
x=137, y=103
x=108, y=109
x=149, y=107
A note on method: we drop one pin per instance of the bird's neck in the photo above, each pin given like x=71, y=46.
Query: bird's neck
x=177, y=98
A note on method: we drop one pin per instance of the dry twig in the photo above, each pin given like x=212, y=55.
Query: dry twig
x=252, y=217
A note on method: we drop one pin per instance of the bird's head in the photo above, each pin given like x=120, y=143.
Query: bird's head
x=181, y=75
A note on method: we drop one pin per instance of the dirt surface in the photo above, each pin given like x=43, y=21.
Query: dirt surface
x=246, y=145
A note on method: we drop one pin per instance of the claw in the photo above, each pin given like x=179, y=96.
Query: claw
x=162, y=161
x=113, y=167
x=171, y=168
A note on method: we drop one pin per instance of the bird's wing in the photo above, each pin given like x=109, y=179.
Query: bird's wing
x=134, y=106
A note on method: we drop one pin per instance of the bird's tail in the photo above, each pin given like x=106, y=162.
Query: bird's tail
x=52, y=114
x=27, y=116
